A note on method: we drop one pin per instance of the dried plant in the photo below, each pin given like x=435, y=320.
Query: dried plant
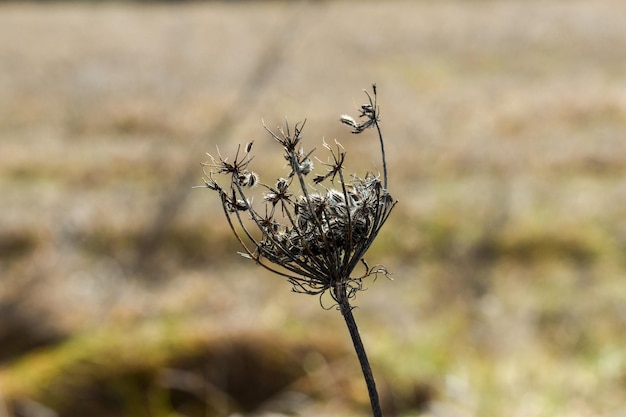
x=312, y=229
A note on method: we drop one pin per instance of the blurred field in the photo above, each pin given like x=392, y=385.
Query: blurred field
x=121, y=292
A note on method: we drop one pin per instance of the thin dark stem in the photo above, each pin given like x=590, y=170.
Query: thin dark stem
x=374, y=105
x=346, y=311
x=382, y=150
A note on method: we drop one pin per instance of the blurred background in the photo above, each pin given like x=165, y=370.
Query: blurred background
x=121, y=292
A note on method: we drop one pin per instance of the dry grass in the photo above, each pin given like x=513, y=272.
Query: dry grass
x=504, y=123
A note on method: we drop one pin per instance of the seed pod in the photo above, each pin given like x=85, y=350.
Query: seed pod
x=252, y=179
x=282, y=185
x=233, y=205
x=306, y=166
x=348, y=120
x=367, y=109
x=248, y=179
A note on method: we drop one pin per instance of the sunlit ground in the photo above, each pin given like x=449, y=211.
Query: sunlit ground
x=122, y=292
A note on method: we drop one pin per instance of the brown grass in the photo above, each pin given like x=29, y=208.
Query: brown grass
x=504, y=125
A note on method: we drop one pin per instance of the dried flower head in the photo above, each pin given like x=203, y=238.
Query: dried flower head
x=313, y=231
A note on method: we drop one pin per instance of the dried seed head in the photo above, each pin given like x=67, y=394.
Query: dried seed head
x=233, y=205
x=271, y=197
x=306, y=166
x=348, y=120
x=367, y=109
x=282, y=185
x=253, y=180
x=316, y=239
x=248, y=179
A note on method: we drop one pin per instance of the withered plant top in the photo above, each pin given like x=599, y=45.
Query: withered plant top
x=312, y=228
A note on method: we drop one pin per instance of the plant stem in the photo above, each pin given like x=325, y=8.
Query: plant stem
x=346, y=311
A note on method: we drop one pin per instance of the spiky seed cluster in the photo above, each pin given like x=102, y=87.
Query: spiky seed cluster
x=316, y=235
